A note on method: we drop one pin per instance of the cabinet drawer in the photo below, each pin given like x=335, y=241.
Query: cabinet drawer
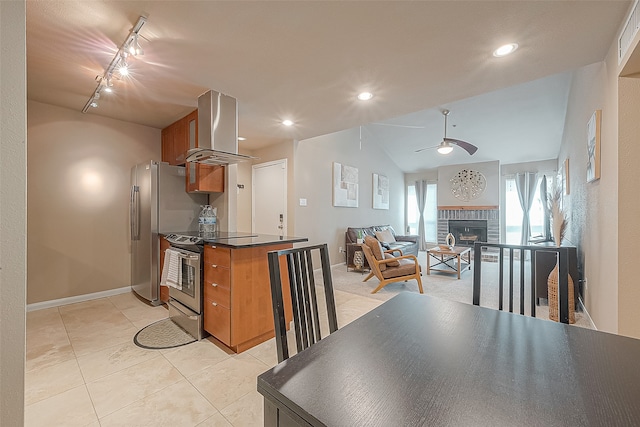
x=218, y=294
x=217, y=321
x=217, y=256
x=216, y=274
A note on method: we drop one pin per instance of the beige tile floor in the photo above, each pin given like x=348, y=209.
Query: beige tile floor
x=83, y=369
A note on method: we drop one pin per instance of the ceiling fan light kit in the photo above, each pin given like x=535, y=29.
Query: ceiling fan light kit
x=446, y=146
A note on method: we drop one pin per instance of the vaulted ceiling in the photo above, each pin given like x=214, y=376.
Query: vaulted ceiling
x=307, y=60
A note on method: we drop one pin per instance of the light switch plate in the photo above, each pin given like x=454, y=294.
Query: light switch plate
x=303, y=202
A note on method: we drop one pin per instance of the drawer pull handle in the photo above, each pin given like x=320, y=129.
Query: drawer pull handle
x=215, y=304
x=214, y=266
x=215, y=285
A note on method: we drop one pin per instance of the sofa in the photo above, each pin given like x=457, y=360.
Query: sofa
x=407, y=244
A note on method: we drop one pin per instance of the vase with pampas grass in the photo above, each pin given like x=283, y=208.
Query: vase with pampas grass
x=558, y=219
x=559, y=228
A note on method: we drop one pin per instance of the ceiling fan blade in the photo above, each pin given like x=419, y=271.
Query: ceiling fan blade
x=427, y=148
x=470, y=148
x=398, y=126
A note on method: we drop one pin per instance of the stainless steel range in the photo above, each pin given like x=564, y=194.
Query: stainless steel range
x=186, y=304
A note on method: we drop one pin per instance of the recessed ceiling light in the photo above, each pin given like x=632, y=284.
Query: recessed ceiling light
x=505, y=50
x=241, y=138
x=287, y=122
x=365, y=96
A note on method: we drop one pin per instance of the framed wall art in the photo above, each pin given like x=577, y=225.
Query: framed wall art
x=345, y=185
x=593, y=146
x=380, y=191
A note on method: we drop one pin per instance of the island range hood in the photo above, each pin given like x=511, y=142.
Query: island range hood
x=217, y=131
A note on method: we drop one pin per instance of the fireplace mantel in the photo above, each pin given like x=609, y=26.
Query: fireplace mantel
x=468, y=208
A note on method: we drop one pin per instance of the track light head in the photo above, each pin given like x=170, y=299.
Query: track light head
x=134, y=46
x=123, y=68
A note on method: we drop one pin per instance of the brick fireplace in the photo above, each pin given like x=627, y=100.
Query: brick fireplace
x=467, y=224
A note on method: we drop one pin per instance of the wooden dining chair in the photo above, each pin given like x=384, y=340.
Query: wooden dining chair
x=300, y=284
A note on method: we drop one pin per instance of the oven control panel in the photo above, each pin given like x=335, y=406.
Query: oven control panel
x=181, y=239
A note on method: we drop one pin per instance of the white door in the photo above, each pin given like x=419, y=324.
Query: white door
x=269, y=198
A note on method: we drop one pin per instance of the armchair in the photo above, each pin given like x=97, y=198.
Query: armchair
x=388, y=268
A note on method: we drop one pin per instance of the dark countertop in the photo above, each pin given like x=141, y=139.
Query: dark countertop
x=236, y=240
x=254, y=240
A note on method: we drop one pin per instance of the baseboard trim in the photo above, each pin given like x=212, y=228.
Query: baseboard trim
x=78, y=298
x=584, y=310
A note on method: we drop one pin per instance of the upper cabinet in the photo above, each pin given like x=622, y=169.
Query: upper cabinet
x=181, y=136
x=175, y=141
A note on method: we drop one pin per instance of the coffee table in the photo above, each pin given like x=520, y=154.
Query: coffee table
x=450, y=261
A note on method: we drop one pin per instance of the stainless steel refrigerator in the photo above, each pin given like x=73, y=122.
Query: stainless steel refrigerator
x=158, y=204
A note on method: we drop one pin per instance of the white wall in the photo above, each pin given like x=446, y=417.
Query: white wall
x=628, y=205
x=244, y=196
x=320, y=221
x=79, y=169
x=491, y=195
x=13, y=187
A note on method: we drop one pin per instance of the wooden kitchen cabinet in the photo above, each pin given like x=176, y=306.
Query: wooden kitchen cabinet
x=205, y=178
x=167, y=144
x=175, y=141
x=237, y=295
x=201, y=178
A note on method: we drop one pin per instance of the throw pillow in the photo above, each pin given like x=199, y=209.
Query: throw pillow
x=376, y=249
x=395, y=263
x=385, y=236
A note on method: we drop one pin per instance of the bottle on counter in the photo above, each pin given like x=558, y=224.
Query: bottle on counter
x=213, y=220
x=204, y=220
x=207, y=222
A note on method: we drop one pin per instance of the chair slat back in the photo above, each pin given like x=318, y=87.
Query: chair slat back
x=528, y=254
x=373, y=262
x=304, y=299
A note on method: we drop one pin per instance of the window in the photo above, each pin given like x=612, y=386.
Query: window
x=430, y=212
x=513, y=212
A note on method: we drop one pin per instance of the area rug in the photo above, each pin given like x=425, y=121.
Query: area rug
x=447, y=286
x=162, y=334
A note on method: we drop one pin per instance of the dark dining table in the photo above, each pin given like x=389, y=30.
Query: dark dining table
x=419, y=360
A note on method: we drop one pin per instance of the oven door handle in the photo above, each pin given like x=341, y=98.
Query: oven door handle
x=191, y=260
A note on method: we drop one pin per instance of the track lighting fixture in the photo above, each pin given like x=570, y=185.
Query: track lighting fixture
x=123, y=69
x=134, y=46
x=108, y=85
x=130, y=46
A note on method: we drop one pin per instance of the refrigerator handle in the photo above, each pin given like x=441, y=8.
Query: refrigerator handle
x=133, y=212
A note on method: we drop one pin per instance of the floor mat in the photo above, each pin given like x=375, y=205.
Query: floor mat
x=162, y=334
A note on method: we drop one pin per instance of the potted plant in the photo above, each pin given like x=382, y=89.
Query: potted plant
x=360, y=238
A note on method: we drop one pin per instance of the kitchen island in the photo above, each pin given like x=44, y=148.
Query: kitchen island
x=237, y=292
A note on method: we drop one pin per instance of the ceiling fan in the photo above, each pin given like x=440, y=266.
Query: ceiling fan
x=446, y=146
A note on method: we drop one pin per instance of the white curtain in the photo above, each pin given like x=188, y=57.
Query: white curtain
x=421, y=199
x=526, y=186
